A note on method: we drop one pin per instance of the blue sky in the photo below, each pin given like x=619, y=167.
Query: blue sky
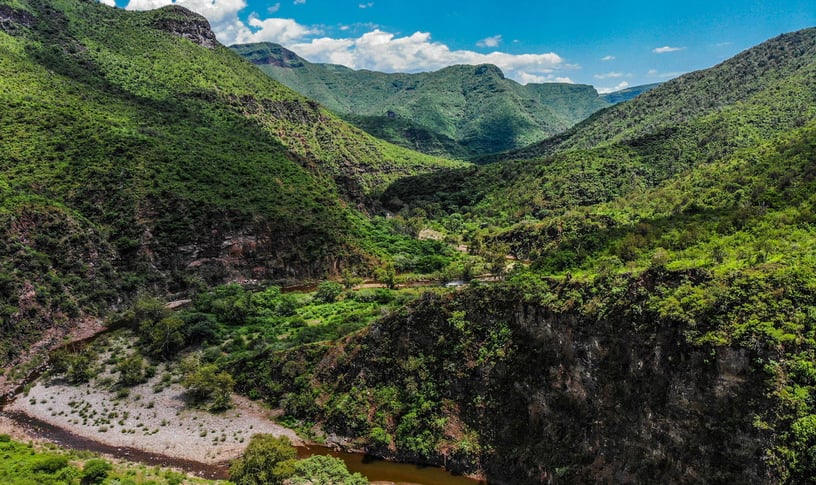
x=610, y=45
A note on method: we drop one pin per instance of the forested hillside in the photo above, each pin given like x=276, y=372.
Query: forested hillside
x=632, y=300
x=696, y=119
x=137, y=153
x=458, y=111
x=658, y=325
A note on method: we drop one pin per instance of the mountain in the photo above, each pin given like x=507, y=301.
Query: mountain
x=697, y=118
x=622, y=95
x=657, y=323
x=138, y=154
x=460, y=111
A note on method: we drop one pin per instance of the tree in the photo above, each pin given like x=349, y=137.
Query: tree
x=131, y=370
x=80, y=367
x=163, y=337
x=206, y=385
x=350, y=280
x=328, y=291
x=95, y=471
x=267, y=460
x=388, y=275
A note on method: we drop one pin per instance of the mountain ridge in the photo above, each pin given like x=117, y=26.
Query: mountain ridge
x=475, y=106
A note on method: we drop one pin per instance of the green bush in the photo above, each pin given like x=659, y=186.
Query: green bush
x=328, y=291
x=325, y=470
x=267, y=460
x=95, y=471
x=49, y=464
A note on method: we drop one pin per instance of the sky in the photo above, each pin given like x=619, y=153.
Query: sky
x=610, y=45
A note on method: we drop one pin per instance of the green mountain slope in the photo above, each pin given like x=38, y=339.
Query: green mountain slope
x=695, y=119
x=457, y=111
x=658, y=324
x=136, y=152
x=744, y=78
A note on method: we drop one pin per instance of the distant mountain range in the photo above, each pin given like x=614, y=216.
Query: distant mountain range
x=459, y=111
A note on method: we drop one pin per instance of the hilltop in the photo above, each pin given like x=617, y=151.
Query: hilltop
x=459, y=111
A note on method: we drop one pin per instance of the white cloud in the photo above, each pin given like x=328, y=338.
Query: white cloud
x=274, y=8
x=375, y=49
x=109, y=3
x=493, y=41
x=384, y=51
x=299, y=2
x=665, y=49
x=621, y=85
x=527, y=78
x=218, y=12
x=366, y=5
x=608, y=75
x=723, y=44
x=608, y=58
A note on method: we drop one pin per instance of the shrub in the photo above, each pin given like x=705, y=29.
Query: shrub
x=95, y=471
x=328, y=291
x=326, y=470
x=50, y=464
x=268, y=460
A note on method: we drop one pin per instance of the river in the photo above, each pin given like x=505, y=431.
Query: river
x=373, y=468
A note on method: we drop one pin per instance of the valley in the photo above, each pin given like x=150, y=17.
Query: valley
x=202, y=269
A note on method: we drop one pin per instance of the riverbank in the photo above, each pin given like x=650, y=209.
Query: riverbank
x=154, y=422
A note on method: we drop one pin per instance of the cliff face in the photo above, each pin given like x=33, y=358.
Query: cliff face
x=181, y=22
x=525, y=392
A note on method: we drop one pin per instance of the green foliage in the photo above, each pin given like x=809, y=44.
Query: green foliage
x=206, y=385
x=95, y=471
x=27, y=464
x=162, y=338
x=131, y=370
x=325, y=470
x=80, y=367
x=114, y=180
x=267, y=460
x=328, y=291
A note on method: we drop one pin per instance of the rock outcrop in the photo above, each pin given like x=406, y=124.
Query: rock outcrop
x=184, y=23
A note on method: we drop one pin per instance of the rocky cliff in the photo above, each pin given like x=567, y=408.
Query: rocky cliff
x=567, y=386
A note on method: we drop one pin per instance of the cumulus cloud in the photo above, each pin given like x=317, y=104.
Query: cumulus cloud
x=621, y=85
x=218, y=12
x=109, y=3
x=383, y=51
x=375, y=49
x=527, y=78
x=665, y=49
x=493, y=41
x=274, y=8
x=608, y=58
x=608, y=75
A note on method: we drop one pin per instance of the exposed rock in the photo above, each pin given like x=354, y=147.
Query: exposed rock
x=11, y=19
x=184, y=23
